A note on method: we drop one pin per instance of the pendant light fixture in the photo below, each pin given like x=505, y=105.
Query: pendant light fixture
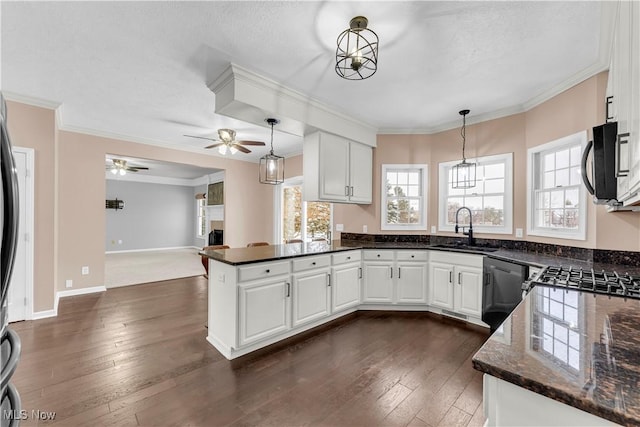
x=357, y=53
x=271, y=166
x=463, y=175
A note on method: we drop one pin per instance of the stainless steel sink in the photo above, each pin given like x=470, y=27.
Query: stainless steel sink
x=465, y=247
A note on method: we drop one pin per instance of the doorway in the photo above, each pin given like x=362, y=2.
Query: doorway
x=20, y=295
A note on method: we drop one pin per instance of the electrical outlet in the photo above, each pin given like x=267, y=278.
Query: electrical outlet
x=519, y=233
x=85, y=270
x=365, y=228
x=68, y=283
x=433, y=229
x=339, y=227
x=119, y=242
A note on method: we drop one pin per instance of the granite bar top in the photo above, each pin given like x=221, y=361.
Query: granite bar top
x=240, y=256
x=578, y=348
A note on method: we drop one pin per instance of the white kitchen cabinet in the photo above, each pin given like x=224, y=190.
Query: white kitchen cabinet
x=346, y=280
x=395, y=277
x=624, y=86
x=336, y=169
x=455, y=282
x=264, y=309
x=311, y=296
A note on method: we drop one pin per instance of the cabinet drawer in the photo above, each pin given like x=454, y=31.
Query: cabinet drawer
x=308, y=262
x=378, y=255
x=412, y=255
x=470, y=260
x=262, y=270
x=344, y=257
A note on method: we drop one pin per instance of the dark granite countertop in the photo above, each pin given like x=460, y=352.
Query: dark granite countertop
x=240, y=256
x=578, y=348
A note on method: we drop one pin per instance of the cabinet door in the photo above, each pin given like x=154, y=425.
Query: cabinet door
x=360, y=173
x=412, y=283
x=634, y=117
x=468, y=291
x=378, y=283
x=345, y=287
x=622, y=88
x=334, y=168
x=263, y=310
x=310, y=297
x=440, y=285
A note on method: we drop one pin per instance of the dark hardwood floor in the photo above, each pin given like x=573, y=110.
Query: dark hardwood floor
x=138, y=356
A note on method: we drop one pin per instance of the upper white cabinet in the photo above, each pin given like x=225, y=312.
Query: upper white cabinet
x=336, y=169
x=623, y=86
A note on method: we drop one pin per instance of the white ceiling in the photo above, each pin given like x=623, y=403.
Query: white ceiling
x=139, y=70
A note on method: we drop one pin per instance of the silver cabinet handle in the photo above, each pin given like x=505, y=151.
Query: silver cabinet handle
x=451, y=277
x=398, y=272
x=288, y=289
x=267, y=271
x=328, y=279
x=391, y=269
x=351, y=193
x=459, y=278
x=622, y=139
x=346, y=190
x=313, y=263
x=359, y=272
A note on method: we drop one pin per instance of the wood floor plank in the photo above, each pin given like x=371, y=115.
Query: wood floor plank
x=137, y=355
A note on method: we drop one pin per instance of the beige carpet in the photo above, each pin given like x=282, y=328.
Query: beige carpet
x=131, y=268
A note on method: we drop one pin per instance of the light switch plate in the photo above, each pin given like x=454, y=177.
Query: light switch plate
x=69, y=283
x=433, y=229
x=339, y=227
x=85, y=270
x=365, y=228
x=519, y=233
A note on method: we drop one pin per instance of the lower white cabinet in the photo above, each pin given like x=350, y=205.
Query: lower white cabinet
x=345, y=286
x=456, y=283
x=395, y=277
x=311, y=296
x=264, y=309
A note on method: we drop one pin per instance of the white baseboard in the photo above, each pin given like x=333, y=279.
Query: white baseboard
x=63, y=294
x=152, y=249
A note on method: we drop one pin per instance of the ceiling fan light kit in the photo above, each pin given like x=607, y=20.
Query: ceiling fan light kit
x=271, y=166
x=357, y=52
x=227, y=142
x=120, y=167
x=463, y=175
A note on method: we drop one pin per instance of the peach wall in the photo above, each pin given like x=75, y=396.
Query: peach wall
x=34, y=127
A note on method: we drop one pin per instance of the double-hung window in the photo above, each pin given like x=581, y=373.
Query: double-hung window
x=300, y=220
x=490, y=201
x=201, y=224
x=403, y=198
x=556, y=205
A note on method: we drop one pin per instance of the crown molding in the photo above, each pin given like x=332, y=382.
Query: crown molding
x=150, y=179
x=30, y=100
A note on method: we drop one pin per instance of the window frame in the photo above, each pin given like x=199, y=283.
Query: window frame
x=201, y=219
x=444, y=173
x=424, y=170
x=534, y=164
x=278, y=202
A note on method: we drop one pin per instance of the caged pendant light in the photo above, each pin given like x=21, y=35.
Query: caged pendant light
x=463, y=175
x=357, y=52
x=271, y=166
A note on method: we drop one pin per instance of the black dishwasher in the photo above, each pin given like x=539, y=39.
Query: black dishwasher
x=501, y=290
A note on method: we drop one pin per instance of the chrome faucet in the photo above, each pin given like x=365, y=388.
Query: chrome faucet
x=469, y=233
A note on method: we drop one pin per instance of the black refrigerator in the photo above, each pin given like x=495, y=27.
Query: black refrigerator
x=10, y=344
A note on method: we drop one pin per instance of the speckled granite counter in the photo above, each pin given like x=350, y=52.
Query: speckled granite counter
x=577, y=348
x=239, y=256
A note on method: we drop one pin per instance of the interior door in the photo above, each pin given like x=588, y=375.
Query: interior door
x=17, y=295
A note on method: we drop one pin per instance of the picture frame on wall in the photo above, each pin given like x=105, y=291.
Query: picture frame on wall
x=215, y=194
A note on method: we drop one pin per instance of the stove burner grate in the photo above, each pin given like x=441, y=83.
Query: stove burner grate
x=599, y=282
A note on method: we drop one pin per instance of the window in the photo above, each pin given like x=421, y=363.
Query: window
x=556, y=196
x=403, y=198
x=201, y=224
x=307, y=221
x=490, y=201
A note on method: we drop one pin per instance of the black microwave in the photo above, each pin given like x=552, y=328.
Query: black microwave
x=603, y=184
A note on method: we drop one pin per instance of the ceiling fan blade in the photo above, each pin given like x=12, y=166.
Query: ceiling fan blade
x=202, y=137
x=215, y=145
x=137, y=168
x=241, y=148
x=249, y=142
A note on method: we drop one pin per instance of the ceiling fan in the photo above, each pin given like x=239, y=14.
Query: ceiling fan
x=228, y=142
x=121, y=167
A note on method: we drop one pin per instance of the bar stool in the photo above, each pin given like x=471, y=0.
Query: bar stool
x=205, y=260
x=249, y=245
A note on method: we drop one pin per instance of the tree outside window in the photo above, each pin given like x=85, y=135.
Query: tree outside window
x=403, y=198
x=302, y=220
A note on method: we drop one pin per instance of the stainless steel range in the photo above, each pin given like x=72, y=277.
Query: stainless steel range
x=587, y=280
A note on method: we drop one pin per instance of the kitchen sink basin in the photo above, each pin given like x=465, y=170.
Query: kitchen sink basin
x=465, y=247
